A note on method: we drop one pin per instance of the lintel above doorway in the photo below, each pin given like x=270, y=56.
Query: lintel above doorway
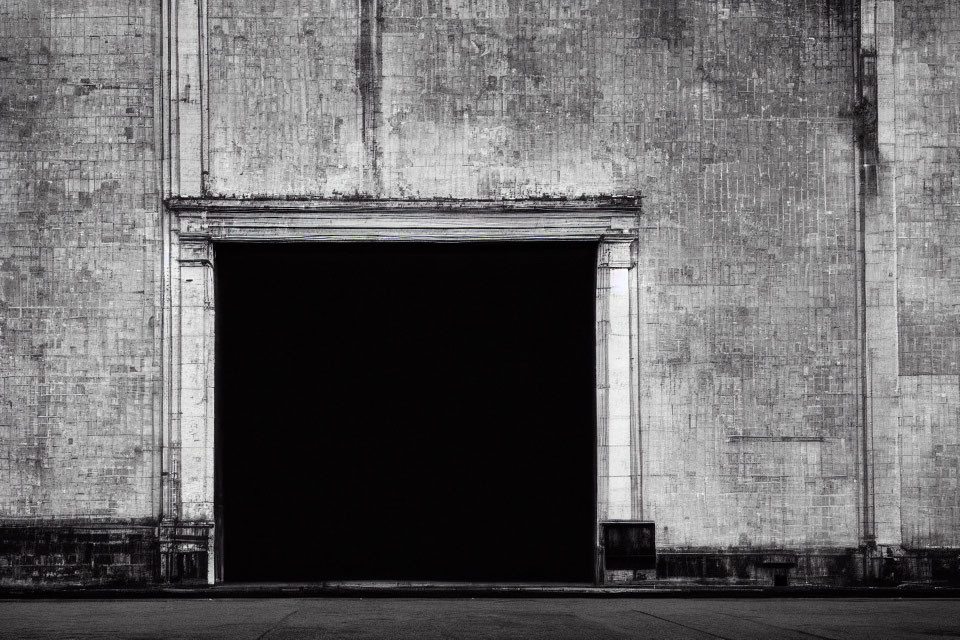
x=433, y=220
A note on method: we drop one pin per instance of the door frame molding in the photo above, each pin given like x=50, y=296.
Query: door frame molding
x=194, y=225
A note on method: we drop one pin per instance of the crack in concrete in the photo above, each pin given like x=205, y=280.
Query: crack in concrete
x=274, y=627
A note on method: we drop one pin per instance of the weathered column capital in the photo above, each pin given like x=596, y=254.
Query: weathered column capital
x=618, y=252
x=196, y=250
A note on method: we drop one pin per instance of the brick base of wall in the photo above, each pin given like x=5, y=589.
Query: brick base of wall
x=102, y=554
x=118, y=554
x=882, y=567
x=78, y=554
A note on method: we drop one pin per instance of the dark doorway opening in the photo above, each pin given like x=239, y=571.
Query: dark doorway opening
x=406, y=411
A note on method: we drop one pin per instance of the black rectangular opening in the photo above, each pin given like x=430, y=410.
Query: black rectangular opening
x=406, y=411
x=629, y=545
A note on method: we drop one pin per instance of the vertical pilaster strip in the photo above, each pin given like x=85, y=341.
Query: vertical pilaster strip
x=636, y=444
x=197, y=342
x=187, y=278
x=186, y=483
x=204, y=82
x=166, y=114
x=185, y=104
x=168, y=102
x=170, y=447
x=616, y=384
x=370, y=85
x=603, y=466
x=881, y=340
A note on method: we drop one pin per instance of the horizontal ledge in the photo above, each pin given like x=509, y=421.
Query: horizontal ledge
x=396, y=235
x=778, y=438
x=407, y=219
x=77, y=522
x=599, y=205
x=789, y=550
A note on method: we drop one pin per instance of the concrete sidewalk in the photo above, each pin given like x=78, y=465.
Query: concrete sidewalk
x=438, y=590
x=425, y=619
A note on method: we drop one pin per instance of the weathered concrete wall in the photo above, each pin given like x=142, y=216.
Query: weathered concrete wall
x=78, y=257
x=734, y=120
x=286, y=112
x=927, y=201
x=749, y=389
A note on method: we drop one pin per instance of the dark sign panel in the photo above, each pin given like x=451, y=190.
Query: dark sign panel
x=629, y=545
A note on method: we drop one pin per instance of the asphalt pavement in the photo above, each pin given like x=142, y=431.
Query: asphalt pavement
x=533, y=618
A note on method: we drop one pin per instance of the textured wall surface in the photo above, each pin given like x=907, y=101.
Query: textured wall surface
x=749, y=381
x=286, y=114
x=928, y=188
x=78, y=255
x=927, y=108
x=734, y=120
x=513, y=99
